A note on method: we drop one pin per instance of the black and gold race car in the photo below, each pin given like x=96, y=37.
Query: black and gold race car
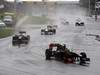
x=61, y=53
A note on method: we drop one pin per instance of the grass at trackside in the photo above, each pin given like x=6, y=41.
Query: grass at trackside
x=6, y=32
x=7, y=13
x=1, y=16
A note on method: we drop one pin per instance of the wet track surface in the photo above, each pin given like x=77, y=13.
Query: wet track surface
x=30, y=59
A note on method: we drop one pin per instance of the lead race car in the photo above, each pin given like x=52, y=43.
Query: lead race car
x=79, y=22
x=20, y=38
x=50, y=30
x=62, y=53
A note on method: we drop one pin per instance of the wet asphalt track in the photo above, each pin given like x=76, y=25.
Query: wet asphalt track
x=30, y=59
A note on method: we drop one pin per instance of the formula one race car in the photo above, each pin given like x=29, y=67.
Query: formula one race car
x=50, y=30
x=61, y=53
x=21, y=38
x=79, y=23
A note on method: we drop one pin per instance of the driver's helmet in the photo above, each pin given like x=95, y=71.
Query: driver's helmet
x=20, y=37
x=83, y=54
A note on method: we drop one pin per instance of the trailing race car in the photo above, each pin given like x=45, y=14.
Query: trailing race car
x=61, y=53
x=21, y=38
x=50, y=30
x=79, y=23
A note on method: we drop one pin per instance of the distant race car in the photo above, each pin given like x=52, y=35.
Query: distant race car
x=79, y=23
x=50, y=30
x=20, y=38
x=65, y=23
x=97, y=37
x=61, y=53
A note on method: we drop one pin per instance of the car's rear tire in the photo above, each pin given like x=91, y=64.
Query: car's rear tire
x=13, y=43
x=83, y=58
x=14, y=40
x=54, y=31
x=42, y=33
x=26, y=42
x=77, y=24
x=28, y=37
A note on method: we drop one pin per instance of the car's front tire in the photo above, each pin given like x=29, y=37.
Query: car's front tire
x=48, y=54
